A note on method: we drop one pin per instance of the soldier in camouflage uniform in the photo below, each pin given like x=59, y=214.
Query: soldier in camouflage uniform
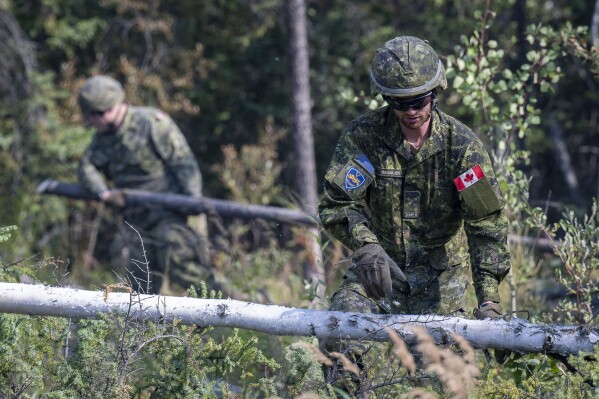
x=142, y=148
x=411, y=190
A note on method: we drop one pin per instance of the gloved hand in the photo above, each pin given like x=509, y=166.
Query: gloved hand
x=489, y=310
x=114, y=198
x=375, y=269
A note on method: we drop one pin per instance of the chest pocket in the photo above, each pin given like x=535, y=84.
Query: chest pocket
x=441, y=199
x=385, y=200
x=137, y=154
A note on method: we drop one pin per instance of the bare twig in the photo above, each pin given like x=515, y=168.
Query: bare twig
x=143, y=265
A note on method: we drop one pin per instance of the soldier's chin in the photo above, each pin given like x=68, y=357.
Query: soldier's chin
x=110, y=127
x=413, y=124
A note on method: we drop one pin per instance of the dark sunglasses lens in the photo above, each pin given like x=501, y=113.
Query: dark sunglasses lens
x=404, y=105
x=96, y=113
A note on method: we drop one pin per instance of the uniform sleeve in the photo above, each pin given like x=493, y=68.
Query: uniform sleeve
x=89, y=171
x=343, y=210
x=485, y=224
x=179, y=161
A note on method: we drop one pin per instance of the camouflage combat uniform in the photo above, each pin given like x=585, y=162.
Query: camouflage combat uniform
x=377, y=190
x=149, y=152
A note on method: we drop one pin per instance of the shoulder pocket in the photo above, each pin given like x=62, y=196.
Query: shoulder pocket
x=354, y=177
x=478, y=195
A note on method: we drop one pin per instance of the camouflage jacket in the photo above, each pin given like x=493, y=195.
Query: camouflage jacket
x=147, y=151
x=377, y=190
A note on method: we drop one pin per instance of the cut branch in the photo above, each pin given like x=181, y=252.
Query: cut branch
x=514, y=335
x=185, y=203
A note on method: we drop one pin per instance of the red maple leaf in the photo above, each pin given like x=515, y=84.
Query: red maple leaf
x=469, y=177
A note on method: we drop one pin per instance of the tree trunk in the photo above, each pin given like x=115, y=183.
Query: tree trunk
x=305, y=172
x=595, y=25
x=17, y=67
x=564, y=160
x=515, y=335
x=305, y=163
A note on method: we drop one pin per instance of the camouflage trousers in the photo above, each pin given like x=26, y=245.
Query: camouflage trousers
x=176, y=256
x=441, y=292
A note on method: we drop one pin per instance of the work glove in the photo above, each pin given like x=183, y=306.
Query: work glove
x=115, y=198
x=492, y=310
x=489, y=310
x=375, y=269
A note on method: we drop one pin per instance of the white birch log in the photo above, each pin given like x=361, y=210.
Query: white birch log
x=515, y=335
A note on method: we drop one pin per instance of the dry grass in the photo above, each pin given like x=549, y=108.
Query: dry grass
x=455, y=369
x=108, y=288
x=305, y=395
x=324, y=359
x=400, y=349
x=456, y=373
x=420, y=394
x=346, y=363
x=317, y=355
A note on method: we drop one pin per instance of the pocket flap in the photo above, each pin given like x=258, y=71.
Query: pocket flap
x=440, y=260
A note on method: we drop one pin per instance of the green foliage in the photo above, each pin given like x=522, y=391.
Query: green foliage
x=31, y=351
x=252, y=172
x=504, y=105
x=577, y=251
x=536, y=375
x=118, y=357
x=5, y=232
x=304, y=373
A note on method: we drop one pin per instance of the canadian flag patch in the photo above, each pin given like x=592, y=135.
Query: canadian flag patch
x=468, y=178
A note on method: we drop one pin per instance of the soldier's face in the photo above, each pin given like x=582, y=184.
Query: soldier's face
x=104, y=122
x=414, y=118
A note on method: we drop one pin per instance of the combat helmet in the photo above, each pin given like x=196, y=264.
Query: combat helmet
x=100, y=93
x=406, y=67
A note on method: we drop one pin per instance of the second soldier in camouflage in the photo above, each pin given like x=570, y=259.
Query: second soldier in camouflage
x=142, y=148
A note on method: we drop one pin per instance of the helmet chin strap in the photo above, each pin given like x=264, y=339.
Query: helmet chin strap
x=434, y=104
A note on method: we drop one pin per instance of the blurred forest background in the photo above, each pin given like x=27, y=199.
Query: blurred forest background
x=222, y=70
x=522, y=73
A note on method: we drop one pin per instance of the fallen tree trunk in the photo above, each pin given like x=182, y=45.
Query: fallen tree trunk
x=515, y=335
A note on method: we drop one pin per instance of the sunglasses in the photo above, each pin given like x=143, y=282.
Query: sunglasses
x=95, y=112
x=404, y=105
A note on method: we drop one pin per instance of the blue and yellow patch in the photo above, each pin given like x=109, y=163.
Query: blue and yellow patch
x=353, y=179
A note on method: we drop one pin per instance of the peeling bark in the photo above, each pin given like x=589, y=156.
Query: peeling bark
x=514, y=335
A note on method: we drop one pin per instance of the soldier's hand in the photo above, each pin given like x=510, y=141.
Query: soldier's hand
x=490, y=310
x=114, y=198
x=375, y=269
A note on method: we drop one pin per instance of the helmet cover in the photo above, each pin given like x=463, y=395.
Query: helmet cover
x=100, y=93
x=406, y=67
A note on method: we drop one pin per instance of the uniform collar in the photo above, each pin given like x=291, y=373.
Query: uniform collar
x=396, y=140
x=125, y=122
